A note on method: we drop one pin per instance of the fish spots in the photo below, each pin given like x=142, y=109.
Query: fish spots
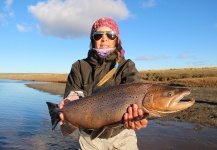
x=157, y=89
x=133, y=97
x=107, y=114
x=101, y=106
x=122, y=96
x=91, y=104
x=116, y=109
x=119, y=109
x=148, y=100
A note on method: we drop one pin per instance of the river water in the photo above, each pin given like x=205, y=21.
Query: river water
x=25, y=125
x=25, y=121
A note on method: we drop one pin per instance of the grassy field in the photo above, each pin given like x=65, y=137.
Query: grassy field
x=190, y=77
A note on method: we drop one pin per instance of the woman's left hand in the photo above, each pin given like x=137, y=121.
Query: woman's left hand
x=133, y=114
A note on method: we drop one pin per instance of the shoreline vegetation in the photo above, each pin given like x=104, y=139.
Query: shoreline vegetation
x=188, y=77
x=201, y=81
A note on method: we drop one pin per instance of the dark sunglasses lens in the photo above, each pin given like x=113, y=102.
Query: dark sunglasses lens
x=97, y=36
x=111, y=36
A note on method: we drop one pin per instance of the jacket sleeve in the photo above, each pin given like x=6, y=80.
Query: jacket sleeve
x=130, y=73
x=74, y=81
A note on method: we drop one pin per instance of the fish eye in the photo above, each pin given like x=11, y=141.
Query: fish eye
x=170, y=94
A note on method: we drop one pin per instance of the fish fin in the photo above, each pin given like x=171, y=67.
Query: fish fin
x=110, y=130
x=97, y=132
x=106, y=133
x=54, y=114
x=67, y=128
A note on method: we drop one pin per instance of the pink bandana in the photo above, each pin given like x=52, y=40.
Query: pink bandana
x=105, y=22
x=104, y=52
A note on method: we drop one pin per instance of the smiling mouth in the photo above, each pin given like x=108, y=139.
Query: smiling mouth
x=104, y=46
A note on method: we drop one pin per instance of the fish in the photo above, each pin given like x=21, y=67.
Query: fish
x=105, y=108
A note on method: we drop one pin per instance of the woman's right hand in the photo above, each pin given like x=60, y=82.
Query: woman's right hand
x=63, y=102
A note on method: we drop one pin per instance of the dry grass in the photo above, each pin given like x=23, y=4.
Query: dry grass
x=48, y=77
x=191, y=77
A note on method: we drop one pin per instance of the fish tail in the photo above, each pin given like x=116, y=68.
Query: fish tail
x=54, y=114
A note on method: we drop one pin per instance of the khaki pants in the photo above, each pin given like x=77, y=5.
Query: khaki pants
x=125, y=140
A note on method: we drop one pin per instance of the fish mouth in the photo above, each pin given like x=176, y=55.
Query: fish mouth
x=175, y=104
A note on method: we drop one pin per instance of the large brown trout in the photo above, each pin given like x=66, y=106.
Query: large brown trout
x=106, y=107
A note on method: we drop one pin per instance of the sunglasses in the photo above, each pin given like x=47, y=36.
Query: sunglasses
x=98, y=35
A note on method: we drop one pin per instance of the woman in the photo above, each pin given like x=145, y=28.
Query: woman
x=86, y=75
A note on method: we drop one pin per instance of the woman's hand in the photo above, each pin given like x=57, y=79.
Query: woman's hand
x=63, y=102
x=133, y=114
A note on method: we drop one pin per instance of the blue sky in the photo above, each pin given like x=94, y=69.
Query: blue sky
x=47, y=36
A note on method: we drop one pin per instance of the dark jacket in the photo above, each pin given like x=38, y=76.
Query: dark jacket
x=86, y=73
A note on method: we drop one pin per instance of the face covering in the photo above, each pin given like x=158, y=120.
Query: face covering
x=104, y=52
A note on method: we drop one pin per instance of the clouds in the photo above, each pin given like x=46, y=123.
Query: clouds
x=8, y=3
x=73, y=18
x=183, y=56
x=151, y=58
x=6, y=12
x=23, y=28
x=149, y=3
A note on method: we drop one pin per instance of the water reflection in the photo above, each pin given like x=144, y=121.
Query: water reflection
x=170, y=135
x=25, y=122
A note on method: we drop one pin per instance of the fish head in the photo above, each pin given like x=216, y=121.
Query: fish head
x=163, y=99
